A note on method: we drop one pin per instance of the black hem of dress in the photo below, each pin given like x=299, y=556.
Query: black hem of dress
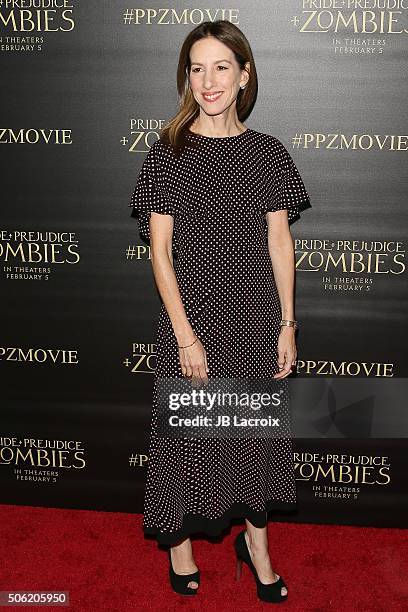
x=197, y=523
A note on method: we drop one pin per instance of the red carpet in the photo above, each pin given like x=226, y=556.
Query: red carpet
x=104, y=562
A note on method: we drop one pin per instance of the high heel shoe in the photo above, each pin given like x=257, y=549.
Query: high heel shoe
x=266, y=592
x=179, y=582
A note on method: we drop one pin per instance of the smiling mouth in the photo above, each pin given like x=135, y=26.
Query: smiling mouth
x=212, y=97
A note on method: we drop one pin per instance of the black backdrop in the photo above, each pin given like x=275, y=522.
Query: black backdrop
x=85, y=88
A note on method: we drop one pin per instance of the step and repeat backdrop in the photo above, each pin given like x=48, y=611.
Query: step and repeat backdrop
x=86, y=86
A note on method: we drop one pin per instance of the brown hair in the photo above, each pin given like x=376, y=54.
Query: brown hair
x=174, y=131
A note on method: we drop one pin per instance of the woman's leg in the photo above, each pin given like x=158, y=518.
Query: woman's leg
x=182, y=560
x=257, y=542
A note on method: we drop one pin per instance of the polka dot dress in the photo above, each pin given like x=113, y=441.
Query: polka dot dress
x=218, y=193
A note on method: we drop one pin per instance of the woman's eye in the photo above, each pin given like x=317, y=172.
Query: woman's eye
x=197, y=69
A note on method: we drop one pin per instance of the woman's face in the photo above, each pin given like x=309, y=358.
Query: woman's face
x=215, y=75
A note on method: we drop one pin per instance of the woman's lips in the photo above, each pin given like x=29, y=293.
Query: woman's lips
x=212, y=97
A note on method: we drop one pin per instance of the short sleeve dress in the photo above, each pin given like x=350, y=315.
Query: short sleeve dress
x=218, y=193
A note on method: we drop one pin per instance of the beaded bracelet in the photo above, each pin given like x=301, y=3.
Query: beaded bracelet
x=289, y=323
x=187, y=345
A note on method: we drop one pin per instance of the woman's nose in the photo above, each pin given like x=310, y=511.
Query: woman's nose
x=209, y=80
x=209, y=83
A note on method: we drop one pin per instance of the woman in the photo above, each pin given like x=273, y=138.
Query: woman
x=219, y=196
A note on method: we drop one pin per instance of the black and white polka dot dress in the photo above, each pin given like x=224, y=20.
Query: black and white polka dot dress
x=218, y=193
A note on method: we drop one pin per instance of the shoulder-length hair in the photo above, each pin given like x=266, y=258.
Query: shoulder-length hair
x=174, y=132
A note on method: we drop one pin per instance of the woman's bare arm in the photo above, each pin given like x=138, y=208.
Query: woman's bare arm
x=161, y=234
x=193, y=360
x=281, y=250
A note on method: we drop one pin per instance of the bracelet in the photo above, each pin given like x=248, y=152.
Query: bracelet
x=187, y=345
x=289, y=323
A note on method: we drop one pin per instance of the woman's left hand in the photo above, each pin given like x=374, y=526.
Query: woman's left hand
x=287, y=352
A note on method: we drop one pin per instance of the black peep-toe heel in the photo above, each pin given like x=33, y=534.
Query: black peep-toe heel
x=266, y=592
x=179, y=582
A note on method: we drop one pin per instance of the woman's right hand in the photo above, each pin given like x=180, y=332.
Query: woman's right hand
x=193, y=362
